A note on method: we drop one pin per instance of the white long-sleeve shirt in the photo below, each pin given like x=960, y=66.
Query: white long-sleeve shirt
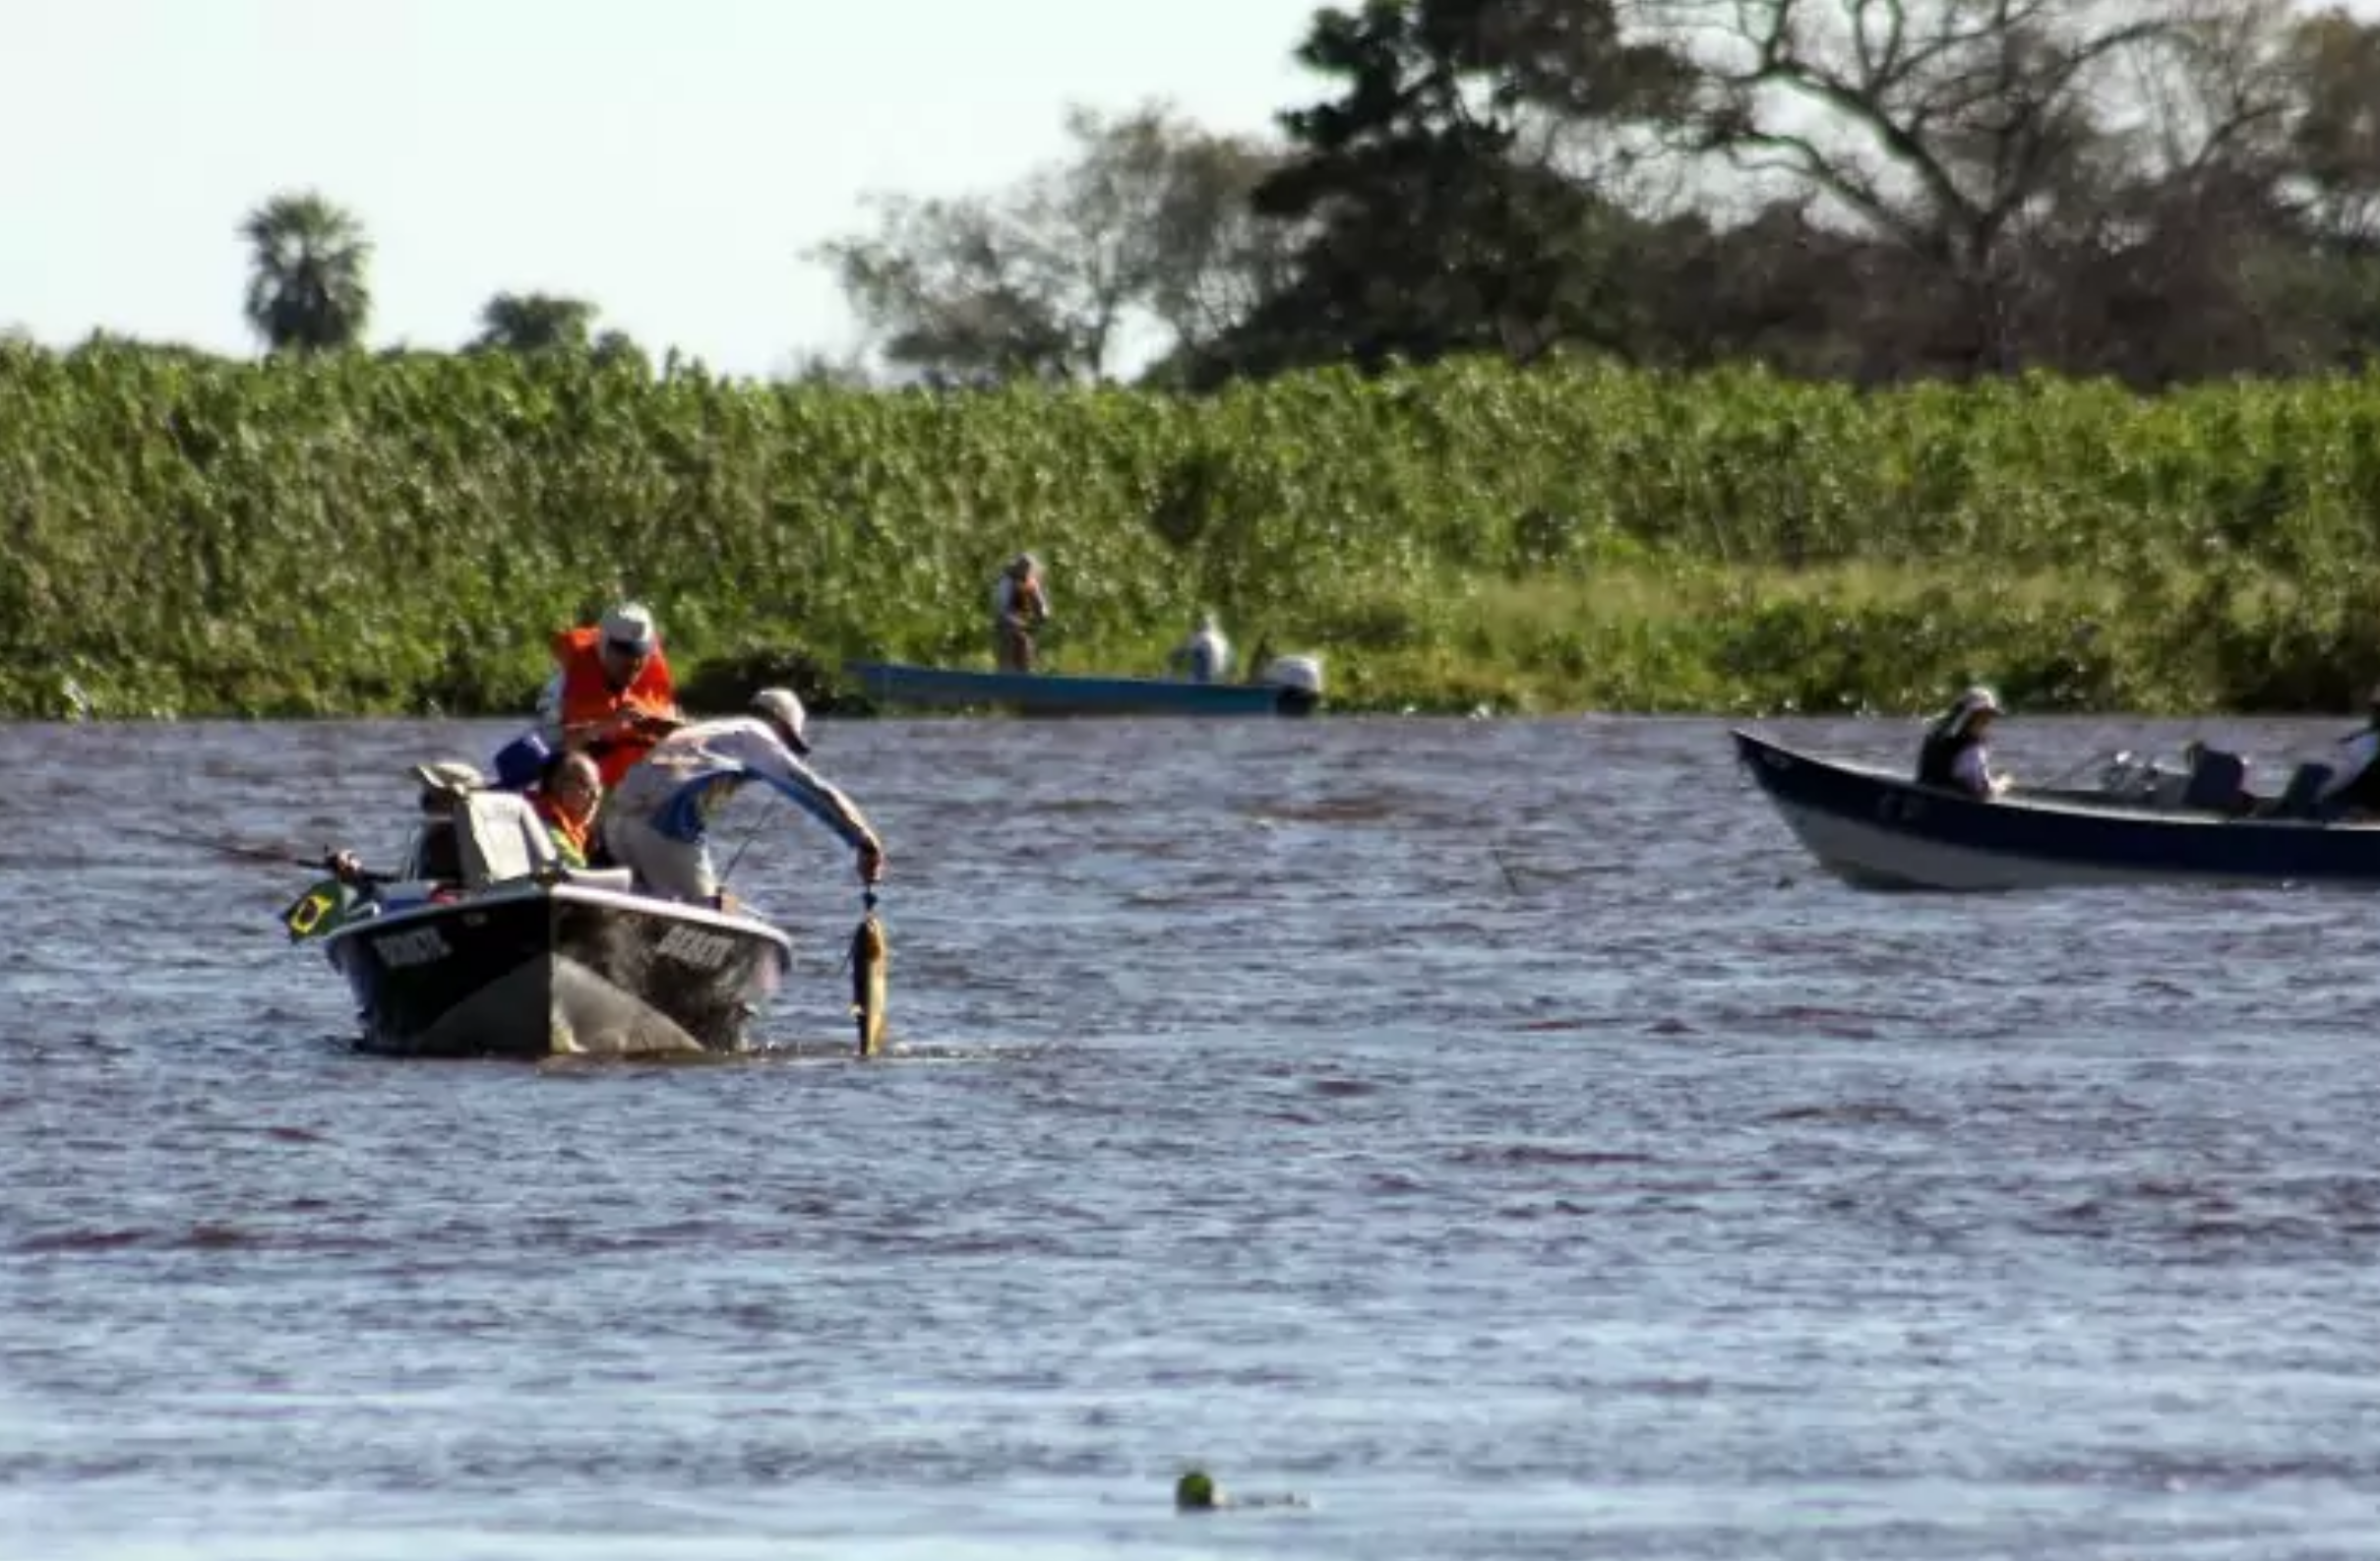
x=1209, y=655
x=677, y=786
x=1972, y=769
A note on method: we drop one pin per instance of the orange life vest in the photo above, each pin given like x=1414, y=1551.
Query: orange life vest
x=589, y=699
x=570, y=834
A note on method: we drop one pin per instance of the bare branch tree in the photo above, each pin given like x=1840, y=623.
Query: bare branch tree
x=1944, y=125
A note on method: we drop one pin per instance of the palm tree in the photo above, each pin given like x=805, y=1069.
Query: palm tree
x=306, y=288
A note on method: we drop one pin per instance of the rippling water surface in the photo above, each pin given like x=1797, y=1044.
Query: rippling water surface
x=1489, y=1132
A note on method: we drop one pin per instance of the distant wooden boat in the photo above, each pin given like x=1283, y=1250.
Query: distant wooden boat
x=1288, y=685
x=1876, y=828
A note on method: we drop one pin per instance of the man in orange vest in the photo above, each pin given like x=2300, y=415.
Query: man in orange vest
x=612, y=696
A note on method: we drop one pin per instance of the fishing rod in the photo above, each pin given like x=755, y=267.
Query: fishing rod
x=240, y=850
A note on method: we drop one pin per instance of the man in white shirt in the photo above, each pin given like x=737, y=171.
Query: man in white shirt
x=1954, y=755
x=1206, y=655
x=655, y=820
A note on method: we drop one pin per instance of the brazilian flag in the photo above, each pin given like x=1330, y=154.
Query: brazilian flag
x=318, y=910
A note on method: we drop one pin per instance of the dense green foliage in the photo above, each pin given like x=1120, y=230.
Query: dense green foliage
x=341, y=533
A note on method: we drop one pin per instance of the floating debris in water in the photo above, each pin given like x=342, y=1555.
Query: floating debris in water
x=1196, y=1491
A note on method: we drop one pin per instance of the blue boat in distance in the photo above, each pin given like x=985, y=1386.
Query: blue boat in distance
x=1288, y=685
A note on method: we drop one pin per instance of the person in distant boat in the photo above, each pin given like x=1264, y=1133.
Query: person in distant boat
x=1020, y=603
x=656, y=821
x=2355, y=783
x=567, y=794
x=1953, y=755
x=1206, y=656
x=612, y=696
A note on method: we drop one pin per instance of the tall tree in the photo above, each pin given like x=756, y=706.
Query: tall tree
x=309, y=288
x=2334, y=61
x=1442, y=217
x=1146, y=219
x=534, y=323
x=1964, y=132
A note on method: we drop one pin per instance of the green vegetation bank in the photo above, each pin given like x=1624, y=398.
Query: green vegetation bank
x=353, y=534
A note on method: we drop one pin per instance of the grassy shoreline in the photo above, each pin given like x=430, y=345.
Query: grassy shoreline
x=368, y=536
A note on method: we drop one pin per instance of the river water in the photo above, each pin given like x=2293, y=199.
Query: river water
x=1491, y=1133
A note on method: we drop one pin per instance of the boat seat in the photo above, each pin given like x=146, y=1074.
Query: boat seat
x=435, y=856
x=2216, y=781
x=501, y=839
x=2302, y=797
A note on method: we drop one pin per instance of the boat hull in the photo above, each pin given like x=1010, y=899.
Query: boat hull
x=533, y=970
x=1877, y=831
x=1056, y=694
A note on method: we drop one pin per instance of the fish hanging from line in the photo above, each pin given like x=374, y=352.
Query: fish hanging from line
x=870, y=962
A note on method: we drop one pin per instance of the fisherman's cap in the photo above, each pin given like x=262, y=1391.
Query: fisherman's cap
x=451, y=775
x=783, y=706
x=629, y=627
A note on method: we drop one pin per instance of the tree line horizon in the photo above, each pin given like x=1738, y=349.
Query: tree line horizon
x=2156, y=192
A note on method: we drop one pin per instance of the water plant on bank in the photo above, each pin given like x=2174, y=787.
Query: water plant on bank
x=399, y=533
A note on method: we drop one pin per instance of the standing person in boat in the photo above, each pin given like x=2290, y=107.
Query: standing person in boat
x=612, y=696
x=1953, y=755
x=654, y=823
x=1020, y=603
x=1206, y=656
x=2355, y=784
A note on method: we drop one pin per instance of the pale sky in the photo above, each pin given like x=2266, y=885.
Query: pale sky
x=668, y=163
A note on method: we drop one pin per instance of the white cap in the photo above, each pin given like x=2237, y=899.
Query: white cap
x=1977, y=701
x=784, y=707
x=629, y=626
x=444, y=783
x=451, y=775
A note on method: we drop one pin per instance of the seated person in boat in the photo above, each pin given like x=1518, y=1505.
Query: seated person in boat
x=1206, y=656
x=437, y=852
x=2355, y=783
x=1020, y=603
x=564, y=790
x=567, y=793
x=612, y=695
x=1953, y=755
x=656, y=821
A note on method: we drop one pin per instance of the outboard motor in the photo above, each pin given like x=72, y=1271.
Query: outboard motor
x=1300, y=680
x=2130, y=778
